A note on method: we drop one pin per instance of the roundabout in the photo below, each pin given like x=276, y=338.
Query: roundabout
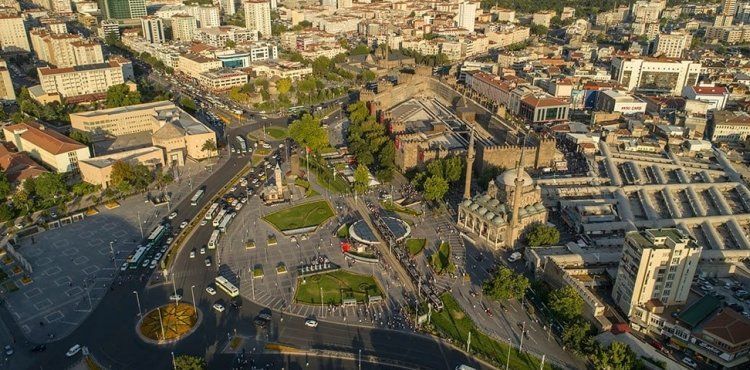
x=168, y=323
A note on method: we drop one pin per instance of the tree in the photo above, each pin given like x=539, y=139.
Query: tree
x=617, y=356
x=565, y=303
x=6, y=212
x=49, y=189
x=283, y=85
x=367, y=75
x=5, y=187
x=121, y=96
x=307, y=132
x=80, y=136
x=126, y=177
x=576, y=335
x=505, y=284
x=435, y=188
x=185, y=362
x=538, y=29
x=188, y=105
x=230, y=44
x=361, y=179
x=453, y=167
x=542, y=235
x=321, y=65
x=360, y=49
x=209, y=146
x=83, y=188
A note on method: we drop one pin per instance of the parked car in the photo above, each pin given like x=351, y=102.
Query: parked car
x=203, y=250
x=8, y=350
x=689, y=362
x=124, y=266
x=152, y=265
x=145, y=263
x=73, y=350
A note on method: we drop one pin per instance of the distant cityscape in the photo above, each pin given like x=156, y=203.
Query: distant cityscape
x=450, y=184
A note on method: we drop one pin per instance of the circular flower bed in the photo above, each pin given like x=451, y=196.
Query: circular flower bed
x=169, y=322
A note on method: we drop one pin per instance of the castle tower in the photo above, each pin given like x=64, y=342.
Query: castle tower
x=469, y=164
x=277, y=179
x=513, y=227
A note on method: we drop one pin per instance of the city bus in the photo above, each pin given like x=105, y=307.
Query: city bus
x=225, y=222
x=211, y=210
x=194, y=200
x=136, y=257
x=227, y=287
x=217, y=219
x=214, y=240
x=157, y=235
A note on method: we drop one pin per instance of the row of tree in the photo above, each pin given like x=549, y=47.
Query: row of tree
x=369, y=142
x=42, y=192
x=440, y=175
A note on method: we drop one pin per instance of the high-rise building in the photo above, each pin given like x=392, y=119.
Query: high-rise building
x=655, y=74
x=13, y=36
x=656, y=267
x=466, y=14
x=88, y=82
x=153, y=30
x=228, y=7
x=6, y=84
x=275, y=5
x=65, y=50
x=206, y=15
x=183, y=27
x=672, y=45
x=123, y=9
x=258, y=16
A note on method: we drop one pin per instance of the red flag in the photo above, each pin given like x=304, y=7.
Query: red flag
x=307, y=149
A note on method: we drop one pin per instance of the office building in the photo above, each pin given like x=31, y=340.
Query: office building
x=726, y=17
x=656, y=268
x=672, y=45
x=655, y=75
x=6, y=84
x=81, y=83
x=55, y=150
x=123, y=9
x=467, y=12
x=13, y=36
x=258, y=17
x=183, y=27
x=153, y=30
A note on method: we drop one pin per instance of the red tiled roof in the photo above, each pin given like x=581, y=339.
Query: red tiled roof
x=46, y=139
x=18, y=166
x=543, y=101
x=710, y=90
x=729, y=326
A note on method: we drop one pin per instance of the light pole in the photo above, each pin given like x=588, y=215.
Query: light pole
x=193, y=295
x=520, y=345
x=112, y=252
x=507, y=362
x=175, y=291
x=360, y=359
x=138, y=300
x=161, y=324
x=174, y=364
x=321, y=301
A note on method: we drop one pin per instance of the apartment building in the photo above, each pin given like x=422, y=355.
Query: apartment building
x=656, y=270
x=467, y=12
x=184, y=27
x=656, y=75
x=543, y=18
x=716, y=96
x=222, y=80
x=228, y=7
x=171, y=128
x=258, y=17
x=55, y=150
x=193, y=65
x=123, y=9
x=81, y=83
x=219, y=36
x=7, y=93
x=65, y=50
x=282, y=69
x=672, y=45
x=730, y=126
x=13, y=36
x=153, y=30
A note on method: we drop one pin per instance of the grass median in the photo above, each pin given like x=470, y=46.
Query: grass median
x=334, y=287
x=300, y=216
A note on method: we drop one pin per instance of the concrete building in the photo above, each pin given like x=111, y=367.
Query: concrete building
x=7, y=93
x=616, y=101
x=672, y=45
x=228, y=7
x=258, y=17
x=206, y=15
x=543, y=108
x=55, y=150
x=656, y=270
x=123, y=9
x=81, y=83
x=65, y=50
x=153, y=30
x=647, y=11
x=18, y=166
x=282, y=69
x=222, y=80
x=98, y=170
x=109, y=27
x=13, y=36
x=716, y=96
x=655, y=75
x=467, y=12
x=730, y=126
x=543, y=18
x=171, y=128
x=184, y=27
x=218, y=36
x=193, y=65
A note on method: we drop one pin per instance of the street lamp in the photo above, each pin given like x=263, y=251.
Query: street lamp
x=174, y=364
x=507, y=362
x=193, y=295
x=139, y=303
x=520, y=345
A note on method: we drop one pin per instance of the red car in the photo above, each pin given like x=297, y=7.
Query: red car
x=489, y=313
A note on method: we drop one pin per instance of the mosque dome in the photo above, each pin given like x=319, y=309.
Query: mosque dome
x=508, y=178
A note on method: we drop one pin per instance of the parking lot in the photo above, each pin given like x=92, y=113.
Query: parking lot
x=73, y=268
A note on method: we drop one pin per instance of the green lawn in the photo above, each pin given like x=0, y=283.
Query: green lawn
x=453, y=323
x=414, y=246
x=303, y=215
x=393, y=207
x=276, y=132
x=441, y=260
x=343, y=231
x=336, y=285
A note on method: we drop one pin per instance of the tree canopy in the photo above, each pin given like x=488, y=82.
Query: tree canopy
x=565, y=303
x=440, y=174
x=121, y=96
x=617, y=356
x=576, y=335
x=505, y=284
x=4, y=185
x=307, y=132
x=188, y=105
x=361, y=179
x=127, y=177
x=370, y=143
x=542, y=235
x=185, y=362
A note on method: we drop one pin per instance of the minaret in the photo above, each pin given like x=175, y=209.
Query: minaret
x=512, y=228
x=277, y=179
x=469, y=164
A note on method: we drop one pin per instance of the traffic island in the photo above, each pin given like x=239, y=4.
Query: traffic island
x=300, y=218
x=335, y=287
x=168, y=323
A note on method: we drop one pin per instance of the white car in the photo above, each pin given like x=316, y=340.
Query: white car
x=208, y=262
x=175, y=297
x=233, y=188
x=157, y=256
x=153, y=265
x=218, y=307
x=210, y=290
x=170, y=240
x=689, y=362
x=244, y=200
x=203, y=250
x=311, y=323
x=145, y=263
x=124, y=266
x=238, y=206
x=172, y=215
x=204, y=222
x=73, y=350
x=192, y=254
x=183, y=224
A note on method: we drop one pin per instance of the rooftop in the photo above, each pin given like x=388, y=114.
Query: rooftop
x=46, y=139
x=700, y=310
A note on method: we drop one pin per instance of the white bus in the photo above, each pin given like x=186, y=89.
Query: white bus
x=194, y=200
x=225, y=222
x=227, y=287
x=217, y=219
x=211, y=210
x=214, y=240
x=137, y=255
